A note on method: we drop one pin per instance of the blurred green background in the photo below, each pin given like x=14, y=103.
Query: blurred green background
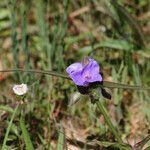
x=50, y=35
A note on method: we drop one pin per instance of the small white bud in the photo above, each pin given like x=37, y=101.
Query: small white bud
x=20, y=89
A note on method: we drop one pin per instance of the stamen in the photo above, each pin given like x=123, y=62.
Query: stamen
x=87, y=76
x=85, y=61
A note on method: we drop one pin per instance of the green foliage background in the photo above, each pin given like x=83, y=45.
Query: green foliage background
x=50, y=35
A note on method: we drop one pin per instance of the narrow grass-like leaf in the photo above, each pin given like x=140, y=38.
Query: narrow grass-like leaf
x=107, y=84
x=43, y=32
x=112, y=12
x=71, y=40
x=108, y=121
x=124, y=86
x=6, y=108
x=112, y=145
x=124, y=75
x=136, y=74
x=24, y=41
x=24, y=33
x=8, y=128
x=4, y=14
x=41, y=139
x=4, y=25
x=14, y=33
x=14, y=129
x=109, y=43
x=46, y=72
x=137, y=78
x=125, y=16
x=60, y=145
x=25, y=133
x=121, y=67
x=117, y=97
x=44, y=42
x=58, y=40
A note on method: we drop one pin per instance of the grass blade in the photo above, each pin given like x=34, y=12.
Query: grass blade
x=108, y=121
x=14, y=33
x=25, y=134
x=60, y=145
x=123, y=86
x=107, y=84
x=8, y=128
x=124, y=15
x=6, y=108
x=109, y=43
x=24, y=33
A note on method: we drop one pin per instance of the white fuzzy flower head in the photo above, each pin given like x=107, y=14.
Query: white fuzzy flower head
x=20, y=89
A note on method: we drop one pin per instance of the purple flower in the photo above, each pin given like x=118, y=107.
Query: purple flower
x=85, y=72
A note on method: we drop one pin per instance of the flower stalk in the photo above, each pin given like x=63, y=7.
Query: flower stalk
x=108, y=121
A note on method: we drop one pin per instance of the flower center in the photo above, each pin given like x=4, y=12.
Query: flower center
x=87, y=76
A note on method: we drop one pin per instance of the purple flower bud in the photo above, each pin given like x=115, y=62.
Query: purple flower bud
x=85, y=72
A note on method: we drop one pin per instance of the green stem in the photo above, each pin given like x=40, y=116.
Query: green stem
x=108, y=121
x=8, y=128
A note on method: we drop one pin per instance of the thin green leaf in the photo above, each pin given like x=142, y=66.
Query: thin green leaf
x=14, y=129
x=108, y=121
x=6, y=108
x=125, y=16
x=14, y=33
x=123, y=86
x=60, y=145
x=105, y=83
x=109, y=43
x=24, y=33
x=8, y=128
x=112, y=12
x=26, y=136
x=115, y=76
x=71, y=40
x=114, y=145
